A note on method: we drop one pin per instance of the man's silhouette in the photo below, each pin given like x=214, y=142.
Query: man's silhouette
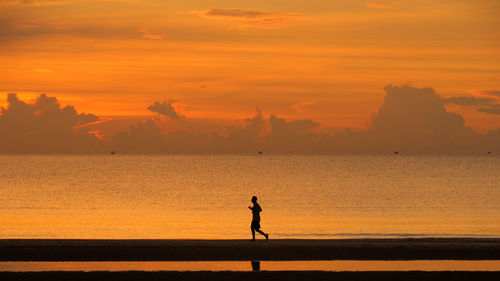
x=255, y=226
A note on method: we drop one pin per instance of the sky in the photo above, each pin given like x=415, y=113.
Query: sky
x=214, y=67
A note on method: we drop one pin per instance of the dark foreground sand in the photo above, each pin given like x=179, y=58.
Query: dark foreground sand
x=242, y=276
x=289, y=249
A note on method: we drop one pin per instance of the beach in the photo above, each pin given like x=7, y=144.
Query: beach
x=242, y=276
x=227, y=250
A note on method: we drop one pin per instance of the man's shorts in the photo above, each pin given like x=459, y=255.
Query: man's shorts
x=255, y=225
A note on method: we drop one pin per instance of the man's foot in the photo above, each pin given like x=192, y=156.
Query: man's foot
x=253, y=239
x=267, y=236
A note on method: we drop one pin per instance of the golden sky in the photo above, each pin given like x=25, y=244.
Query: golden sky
x=324, y=60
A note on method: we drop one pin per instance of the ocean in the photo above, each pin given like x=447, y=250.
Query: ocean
x=207, y=196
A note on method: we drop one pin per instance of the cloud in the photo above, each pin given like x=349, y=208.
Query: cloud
x=415, y=120
x=235, y=13
x=495, y=93
x=299, y=106
x=43, y=126
x=377, y=5
x=493, y=109
x=469, y=101
x=44, y=3
x=258, y=133
x=144, y=137
x=381, y=5
x=255, y=126
x=410, y=120
x=165, y=109
x=248, y=138
x=34, y=3
x=279, y=127
x=250, y=19
x=489, y=104
x=283, y=132
x=145, y=33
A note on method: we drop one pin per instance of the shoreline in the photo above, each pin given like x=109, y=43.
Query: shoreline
x=242, y=276
x=241, y=250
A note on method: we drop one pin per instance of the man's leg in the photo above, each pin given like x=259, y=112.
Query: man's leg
x=253, y=232
x=262, y=232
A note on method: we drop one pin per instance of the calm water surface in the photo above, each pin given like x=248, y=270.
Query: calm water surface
x=334, y=265
x=127, y=196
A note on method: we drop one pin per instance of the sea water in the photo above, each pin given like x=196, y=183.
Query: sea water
x=331, y=265
x=207, y=196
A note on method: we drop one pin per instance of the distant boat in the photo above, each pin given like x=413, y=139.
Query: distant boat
x=489, y=152
x=260, y=152
x=396, y=152
x=112, y=152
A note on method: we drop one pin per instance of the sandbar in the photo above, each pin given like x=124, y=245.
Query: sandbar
x=279, y=249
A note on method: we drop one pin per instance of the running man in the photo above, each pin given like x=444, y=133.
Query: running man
x=255, y=226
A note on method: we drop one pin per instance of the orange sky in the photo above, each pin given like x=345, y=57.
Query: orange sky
x=324, y=60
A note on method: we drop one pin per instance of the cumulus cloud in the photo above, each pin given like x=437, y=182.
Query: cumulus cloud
x=43, y=126
x=469, y=101
x=144, y=137
x=249, y=137
x=279, y=127
x=252, y=19
x=258, y=133
x=282, y=133
x=410, y=120
x=255, y=126
x=493, y=109
x=165, y=109
x=415, y=120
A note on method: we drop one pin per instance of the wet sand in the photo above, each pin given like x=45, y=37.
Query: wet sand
x=242, y=276
x=281, y=249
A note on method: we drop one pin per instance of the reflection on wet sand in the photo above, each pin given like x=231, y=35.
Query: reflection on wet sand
x=255, y=265
x=335, y=265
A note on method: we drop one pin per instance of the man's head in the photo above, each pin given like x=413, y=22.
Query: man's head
x=254, y=199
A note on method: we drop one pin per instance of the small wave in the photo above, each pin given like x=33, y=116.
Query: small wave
x=384, y=235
